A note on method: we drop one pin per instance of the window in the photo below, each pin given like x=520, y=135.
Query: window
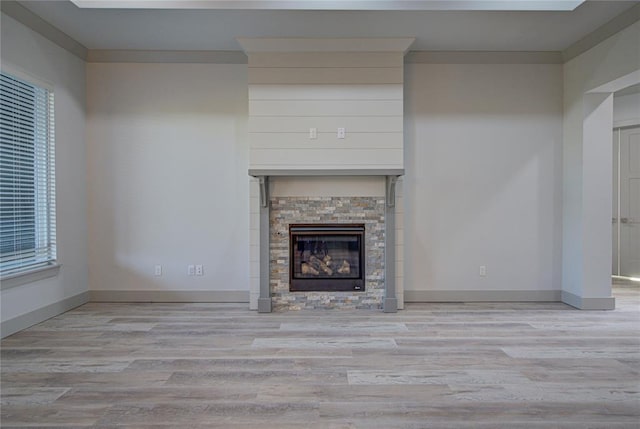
x=27, y=177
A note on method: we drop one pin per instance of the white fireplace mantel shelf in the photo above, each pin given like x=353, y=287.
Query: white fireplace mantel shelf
x=326, y=172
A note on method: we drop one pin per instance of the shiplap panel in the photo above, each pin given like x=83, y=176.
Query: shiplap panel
x=291, y=92
x=324, y=76
x=363, y=124
x=331, y=158
x=325, y=108
x=326, y=141
x=325, y=59
x=326, y=92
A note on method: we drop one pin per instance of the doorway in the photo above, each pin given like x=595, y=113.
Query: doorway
x=626, y=203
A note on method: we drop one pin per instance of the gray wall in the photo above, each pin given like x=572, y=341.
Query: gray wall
x=483, y=177
x=482, y=187
x=167, y=164
x=167, y=157
x=32, y=54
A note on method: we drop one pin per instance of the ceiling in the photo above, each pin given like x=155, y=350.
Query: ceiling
x=434, y=30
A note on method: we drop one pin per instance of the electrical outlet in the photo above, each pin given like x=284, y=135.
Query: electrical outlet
x=191, y=270
x=313, y=133
x=342, y=132
x=157, y=270
x=199, y=270
x=483, y=270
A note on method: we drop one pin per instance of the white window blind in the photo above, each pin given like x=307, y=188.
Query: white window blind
x=27, y=176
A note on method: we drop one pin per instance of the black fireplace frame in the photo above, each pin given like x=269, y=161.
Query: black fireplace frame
x=355, y=284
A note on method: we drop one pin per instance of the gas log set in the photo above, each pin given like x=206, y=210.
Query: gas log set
x=326, y=257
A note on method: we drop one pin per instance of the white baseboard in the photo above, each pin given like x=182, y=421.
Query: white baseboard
x=168, y=296
x=604, y=303
x=481, y=295
x=18, y=323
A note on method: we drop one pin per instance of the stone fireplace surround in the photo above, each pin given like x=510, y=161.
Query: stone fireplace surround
x=323, y=210
x=284, y=200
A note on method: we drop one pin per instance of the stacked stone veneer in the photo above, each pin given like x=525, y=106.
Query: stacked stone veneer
x=364, y=210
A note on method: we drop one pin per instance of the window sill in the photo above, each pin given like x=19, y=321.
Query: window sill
x=30, y=276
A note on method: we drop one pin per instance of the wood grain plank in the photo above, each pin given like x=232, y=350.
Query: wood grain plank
x=326, y=140
x=325, y=108
x=325, y=76
x=326, y=92
x=211, y=365
x=329, y=158
x=365, y=124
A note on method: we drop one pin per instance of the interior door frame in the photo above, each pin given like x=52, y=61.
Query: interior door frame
x=619, y=127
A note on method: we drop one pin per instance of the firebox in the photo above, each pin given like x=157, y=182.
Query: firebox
x=326, y=257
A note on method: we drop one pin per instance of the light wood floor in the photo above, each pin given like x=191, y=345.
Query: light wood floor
x=193, y=366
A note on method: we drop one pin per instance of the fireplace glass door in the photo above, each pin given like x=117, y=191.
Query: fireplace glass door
x=327, y=257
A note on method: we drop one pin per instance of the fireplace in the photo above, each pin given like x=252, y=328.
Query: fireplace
x=328, y=178
x=326, y=257
x=316, y=221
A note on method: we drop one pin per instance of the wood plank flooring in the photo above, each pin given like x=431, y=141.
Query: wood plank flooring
x=196, y=366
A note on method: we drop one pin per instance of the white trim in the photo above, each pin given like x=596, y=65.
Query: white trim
x=582, y=303
x=626, y=123
x=617, y=24
x=30, y=276
x=18, y=323
x=327, y=172
x=618, y=194
x=618, y=84
x=484, y=57
x=295, y=44
x=239, y=57
x=22, y=74
x=481, y=295
x=169, y=296
x=15, y=10
x=142, y=56
x=629, y=279
x=625, y=281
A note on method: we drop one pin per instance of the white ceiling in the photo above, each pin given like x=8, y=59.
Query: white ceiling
x=217, y=29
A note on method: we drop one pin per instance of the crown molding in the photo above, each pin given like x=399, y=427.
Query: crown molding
x=309, y=44
x=483, y=57
x=617, y=24
x=29, y=19
x=141, y=56
x=237, y=57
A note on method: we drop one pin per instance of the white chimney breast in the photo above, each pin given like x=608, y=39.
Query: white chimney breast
x=291, y=92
